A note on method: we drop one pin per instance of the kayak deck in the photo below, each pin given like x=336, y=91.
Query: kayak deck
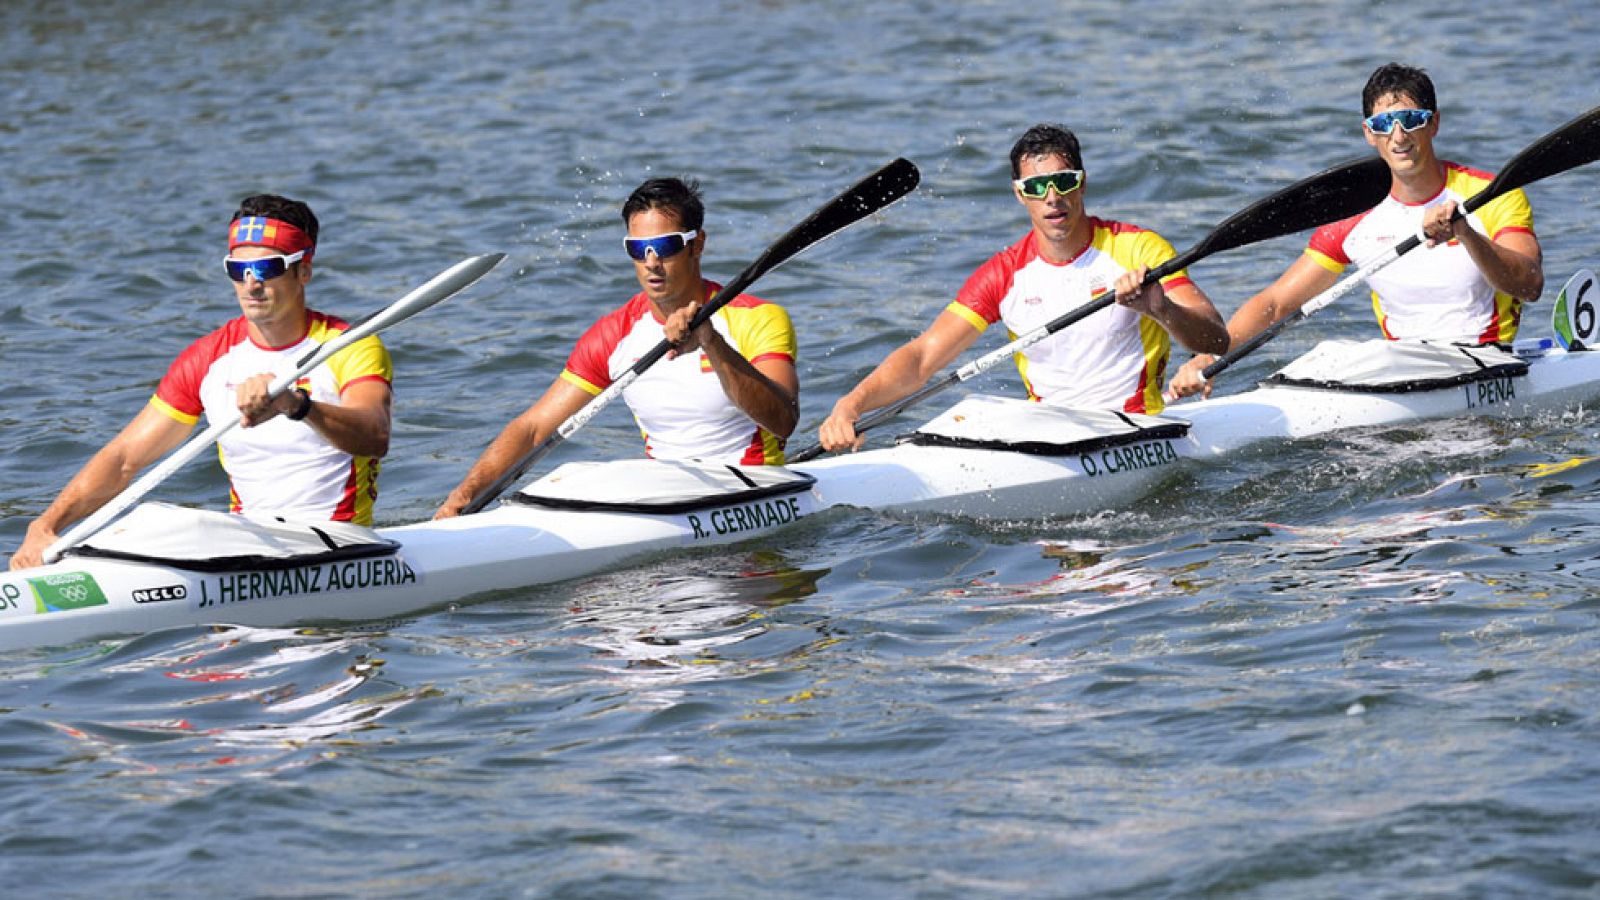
x=516, y=546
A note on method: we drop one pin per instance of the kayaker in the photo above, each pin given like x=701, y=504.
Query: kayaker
x=728, y=392
x=1115, y=359
x=312, y=453
x=1466, y=285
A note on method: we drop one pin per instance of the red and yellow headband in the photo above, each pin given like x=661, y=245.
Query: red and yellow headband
x=260, y=231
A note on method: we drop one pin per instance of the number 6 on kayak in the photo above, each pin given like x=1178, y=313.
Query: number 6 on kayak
x=1574, y=320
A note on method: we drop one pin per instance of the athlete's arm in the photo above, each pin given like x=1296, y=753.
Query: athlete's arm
x=520, y=435
x=1184, y=311
x=1303, y=280
x=900, y=374
x=1513, y=263
x=358, y=424
x=151, y=435
x=767, y=391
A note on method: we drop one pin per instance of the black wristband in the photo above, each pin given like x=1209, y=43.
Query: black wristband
x=305, y=406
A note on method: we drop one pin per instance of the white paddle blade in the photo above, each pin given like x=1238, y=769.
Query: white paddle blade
x=1574, y=318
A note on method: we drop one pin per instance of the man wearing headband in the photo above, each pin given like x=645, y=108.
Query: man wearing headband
x=728, y=392
x=1467, y=285
x=311, y=454
x=1114, y=359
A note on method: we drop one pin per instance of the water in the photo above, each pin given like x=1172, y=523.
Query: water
x=1358, y=666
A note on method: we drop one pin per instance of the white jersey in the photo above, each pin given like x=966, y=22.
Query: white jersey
x=1432, y=293
x=279, y=468
x=679, y=403
x=1114, y=359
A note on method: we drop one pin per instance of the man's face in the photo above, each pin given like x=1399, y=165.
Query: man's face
x=1405, y=151
x=676, y=279
x=275, y=300
x=1055, y=214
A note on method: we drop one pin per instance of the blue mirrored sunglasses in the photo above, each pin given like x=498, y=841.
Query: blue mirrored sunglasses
x=662, y=245
x=1408, y=119
x=264, y=269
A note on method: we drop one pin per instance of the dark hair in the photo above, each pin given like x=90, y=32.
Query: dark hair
x=1394, y=78
x=676, y=195
x=275, y=207
x=1045, y=140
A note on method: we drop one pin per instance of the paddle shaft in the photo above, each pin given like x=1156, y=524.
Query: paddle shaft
x=1341, y=191
x=866, y=197
x=1572, y=145
x=440, y=287
x=1348, y=283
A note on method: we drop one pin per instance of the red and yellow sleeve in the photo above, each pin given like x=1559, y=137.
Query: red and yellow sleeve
x=1508, y=213
x=365, y=360
x=978, y=301
x=1326, y=247
x=178, y=394
x=761, y=330
x=1132, y=247
x=589, y=365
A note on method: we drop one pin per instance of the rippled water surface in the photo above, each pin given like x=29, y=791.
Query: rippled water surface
x=1356, y=666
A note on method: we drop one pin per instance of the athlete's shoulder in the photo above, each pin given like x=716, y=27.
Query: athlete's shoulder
x=1131, y=245
x=609, y=330
x=323, y=327
x=326, y=321
x=1509, y=212
x=1330, y=237
x=1008, y=260
x=208, y=348
x=1457, y=175
x=634, y=309
x=1114, y=227
x=742, y=301
x=178, y=393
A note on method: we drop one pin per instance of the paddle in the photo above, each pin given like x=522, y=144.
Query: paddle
x=1328, y=196
x=1572, y=145
x=439, y=288
x=866, y=197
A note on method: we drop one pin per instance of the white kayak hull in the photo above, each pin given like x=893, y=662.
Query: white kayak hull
x=517, y=546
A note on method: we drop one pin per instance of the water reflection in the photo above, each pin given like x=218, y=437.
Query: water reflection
x=684, y=623
x=160, y=710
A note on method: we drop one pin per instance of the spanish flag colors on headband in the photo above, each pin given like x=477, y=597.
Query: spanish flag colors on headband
x=260, y=231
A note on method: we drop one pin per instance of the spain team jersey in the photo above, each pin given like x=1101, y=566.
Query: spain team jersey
x=1438, y=292
x=679, y=404
x=280, y=467
x=1114, y=359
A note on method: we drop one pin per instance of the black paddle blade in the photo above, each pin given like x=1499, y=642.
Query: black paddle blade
x=1574, y=144
x=1338, y=193
x=864, y=198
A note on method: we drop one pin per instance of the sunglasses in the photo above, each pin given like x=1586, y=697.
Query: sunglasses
x=264, y=269
x=662, y=245
x=1037, y=187
x=1408, y=119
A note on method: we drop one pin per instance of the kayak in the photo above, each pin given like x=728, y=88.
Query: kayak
x=986, y=457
